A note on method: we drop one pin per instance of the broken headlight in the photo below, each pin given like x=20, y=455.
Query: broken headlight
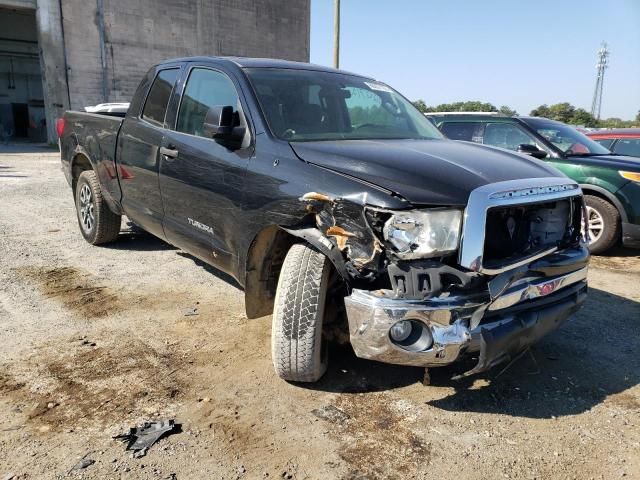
x=423, y=233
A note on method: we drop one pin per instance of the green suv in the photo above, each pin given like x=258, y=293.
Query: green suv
x=610, y=182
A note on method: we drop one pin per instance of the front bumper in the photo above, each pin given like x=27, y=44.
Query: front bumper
x=507, y=323
x=631, y=235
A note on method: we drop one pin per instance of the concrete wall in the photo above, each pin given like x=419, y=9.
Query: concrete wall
x=95, y=51
x=52, y=63
x=111, y=43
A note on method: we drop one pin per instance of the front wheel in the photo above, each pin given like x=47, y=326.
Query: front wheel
x=603, y=224
x=97, y=223
x=298, y=350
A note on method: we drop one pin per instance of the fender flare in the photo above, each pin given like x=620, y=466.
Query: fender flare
x=323, y=244
x=609, y=196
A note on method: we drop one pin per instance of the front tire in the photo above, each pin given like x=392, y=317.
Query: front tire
x=97, y=223
x=603, y=224
x=297, y=348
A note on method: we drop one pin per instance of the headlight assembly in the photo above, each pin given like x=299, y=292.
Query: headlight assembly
x=423, y=233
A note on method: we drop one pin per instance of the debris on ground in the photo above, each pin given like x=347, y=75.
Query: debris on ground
x=331, y=414
x=84, y=463
x=140, y=439
x=191, y=311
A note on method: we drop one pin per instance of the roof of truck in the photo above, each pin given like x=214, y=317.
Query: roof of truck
x=248, y=62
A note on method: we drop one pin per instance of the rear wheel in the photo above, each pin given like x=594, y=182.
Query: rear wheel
x=603, y=224
x=97, y=223
x=298, y=349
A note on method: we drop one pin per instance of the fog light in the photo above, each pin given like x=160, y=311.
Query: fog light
x=400, y=331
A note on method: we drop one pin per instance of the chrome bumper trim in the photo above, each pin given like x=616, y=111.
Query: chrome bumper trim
x=536, y=289
x=372, y=313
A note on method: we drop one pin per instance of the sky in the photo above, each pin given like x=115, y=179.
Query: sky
x=520, y=53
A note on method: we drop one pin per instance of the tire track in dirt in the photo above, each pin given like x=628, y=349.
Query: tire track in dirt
x=76, y=290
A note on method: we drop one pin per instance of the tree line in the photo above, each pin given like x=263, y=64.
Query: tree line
x=563, y=112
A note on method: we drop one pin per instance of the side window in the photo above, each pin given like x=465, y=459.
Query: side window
x=605, y=142
x=628, y=146
x=506, y=135
x=468, y=131
x=155, y=107
x=205, y=89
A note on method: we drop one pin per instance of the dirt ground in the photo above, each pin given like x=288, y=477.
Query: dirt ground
x=98, y=339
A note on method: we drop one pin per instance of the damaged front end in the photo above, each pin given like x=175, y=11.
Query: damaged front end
x=429, y=285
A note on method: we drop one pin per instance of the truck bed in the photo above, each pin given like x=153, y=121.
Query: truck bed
x=95, y=136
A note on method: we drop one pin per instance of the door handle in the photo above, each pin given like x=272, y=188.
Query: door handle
x=169, y=151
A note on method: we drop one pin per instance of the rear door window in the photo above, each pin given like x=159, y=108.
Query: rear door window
x=469, y=131
x=628, y=146
x=155, y=108
x=506, y=135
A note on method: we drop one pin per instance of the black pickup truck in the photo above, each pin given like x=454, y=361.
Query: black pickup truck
x=339, y=208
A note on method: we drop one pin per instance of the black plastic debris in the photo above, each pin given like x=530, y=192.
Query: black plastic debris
x=140, y=439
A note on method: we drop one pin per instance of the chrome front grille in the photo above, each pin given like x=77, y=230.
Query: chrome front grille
x=507, y=194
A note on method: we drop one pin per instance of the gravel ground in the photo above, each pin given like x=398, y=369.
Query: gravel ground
x=99, y=339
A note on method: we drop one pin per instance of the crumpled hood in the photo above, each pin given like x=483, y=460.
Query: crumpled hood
x=435, y=172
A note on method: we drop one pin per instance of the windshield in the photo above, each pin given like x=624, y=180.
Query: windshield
x=304, y=105
x=567, y=138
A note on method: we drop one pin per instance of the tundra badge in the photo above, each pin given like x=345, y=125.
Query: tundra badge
x=201, y=226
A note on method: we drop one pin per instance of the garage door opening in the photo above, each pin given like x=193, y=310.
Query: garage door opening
x=22, y=114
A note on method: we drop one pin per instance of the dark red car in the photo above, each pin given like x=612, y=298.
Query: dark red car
x=623, y=141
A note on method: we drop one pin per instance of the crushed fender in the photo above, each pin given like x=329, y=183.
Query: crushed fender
x=343, y=221
x=140, y=439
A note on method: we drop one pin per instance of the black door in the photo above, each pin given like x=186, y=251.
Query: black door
x=20, y=119
x=202, y=182
x=138, y=162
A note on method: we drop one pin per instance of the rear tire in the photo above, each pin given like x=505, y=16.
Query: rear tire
x=604, y=224
x=297, y=348
x=97, y=223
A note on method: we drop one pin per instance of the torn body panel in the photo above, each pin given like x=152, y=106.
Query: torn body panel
x=343, y=222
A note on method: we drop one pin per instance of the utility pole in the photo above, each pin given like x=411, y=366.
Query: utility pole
x=336, y=34
x=601, y=66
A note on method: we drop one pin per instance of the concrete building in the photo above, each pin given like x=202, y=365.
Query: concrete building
x=66, y=54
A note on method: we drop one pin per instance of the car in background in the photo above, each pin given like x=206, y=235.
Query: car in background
x=623, y=141
x=610, y=182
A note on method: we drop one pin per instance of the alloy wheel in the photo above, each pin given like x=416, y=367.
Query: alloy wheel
x=596, y=224
x=87, y=215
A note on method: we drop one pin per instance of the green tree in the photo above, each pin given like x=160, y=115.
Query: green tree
x=469, y=106
x=638, y=116
x=565, y=112
x=541, y=111
x=507, y=111
x=420, y=105
x=582, y=117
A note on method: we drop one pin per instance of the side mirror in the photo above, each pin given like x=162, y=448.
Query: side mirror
x=531, y=150
x=221, y=124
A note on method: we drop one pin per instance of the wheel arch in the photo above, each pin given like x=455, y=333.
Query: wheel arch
x=596, y=191
x=79, y=163
x=265, y=258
